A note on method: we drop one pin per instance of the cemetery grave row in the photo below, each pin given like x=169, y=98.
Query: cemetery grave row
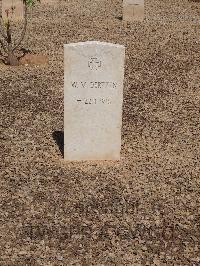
x=93, y=91
x=133, y=10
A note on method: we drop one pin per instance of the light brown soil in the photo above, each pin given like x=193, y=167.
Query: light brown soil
x=143, y=210
x=33, y=59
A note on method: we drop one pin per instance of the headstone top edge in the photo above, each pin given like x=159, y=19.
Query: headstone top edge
x=94, y=42
x=133, y=1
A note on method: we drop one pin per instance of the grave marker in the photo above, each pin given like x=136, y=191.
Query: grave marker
x=93, y=100
x=12, y=10
x=133, y=10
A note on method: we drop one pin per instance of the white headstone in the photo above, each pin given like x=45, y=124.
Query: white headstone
x=94, y=73
x=12, y=10
x=133, y=10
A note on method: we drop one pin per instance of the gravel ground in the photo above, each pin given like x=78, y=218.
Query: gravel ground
x=142, y=210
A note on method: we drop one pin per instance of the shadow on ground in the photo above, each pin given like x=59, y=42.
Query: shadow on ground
x=119, y=17
x=58, y=136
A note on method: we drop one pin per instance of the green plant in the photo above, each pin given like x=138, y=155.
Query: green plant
x=6, y=32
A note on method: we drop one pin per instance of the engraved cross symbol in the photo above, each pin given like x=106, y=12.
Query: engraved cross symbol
x=94, y=63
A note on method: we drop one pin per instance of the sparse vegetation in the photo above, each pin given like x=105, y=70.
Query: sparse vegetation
x=6, y=32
